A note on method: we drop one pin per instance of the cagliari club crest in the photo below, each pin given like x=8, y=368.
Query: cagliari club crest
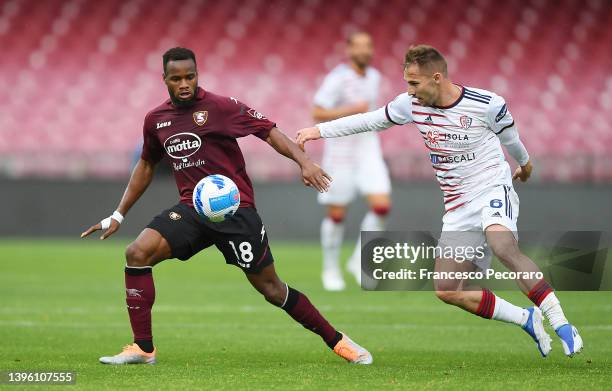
x=200, y=117
x=466, y=121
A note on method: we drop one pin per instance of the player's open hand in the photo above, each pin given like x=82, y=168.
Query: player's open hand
x=113, y=226
x=523, y=172
x=314, y=176
x=307, y=134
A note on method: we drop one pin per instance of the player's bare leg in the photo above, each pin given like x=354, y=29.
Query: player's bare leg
x=332, y=232
x=484, y=303
x=146, y=251
x=374, y=220
x=505, y=247
x=302, y=311
x=457, y=292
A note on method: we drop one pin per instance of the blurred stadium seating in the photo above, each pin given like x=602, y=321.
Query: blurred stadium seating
x=78, y=76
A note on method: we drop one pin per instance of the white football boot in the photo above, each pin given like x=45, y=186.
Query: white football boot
x=131, y=354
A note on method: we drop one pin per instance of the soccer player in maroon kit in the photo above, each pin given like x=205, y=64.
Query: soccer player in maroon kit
x=197, y=130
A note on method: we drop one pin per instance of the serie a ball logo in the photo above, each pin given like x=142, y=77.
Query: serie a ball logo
x=216, y=197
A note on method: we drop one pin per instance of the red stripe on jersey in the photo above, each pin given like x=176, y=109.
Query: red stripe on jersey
x=440, y=169
x=428, y=124
x=438, y=149
x=448, y=177
x=423, y=113
x=452, y=195
x=452, y=199
x=455, y=207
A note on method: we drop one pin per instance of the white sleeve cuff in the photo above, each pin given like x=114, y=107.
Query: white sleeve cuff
x=518, y=152
x=118, y=217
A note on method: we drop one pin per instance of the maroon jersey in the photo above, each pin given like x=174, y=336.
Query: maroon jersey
x=200, y=140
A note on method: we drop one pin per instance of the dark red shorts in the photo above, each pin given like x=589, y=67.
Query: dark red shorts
x=242, y=238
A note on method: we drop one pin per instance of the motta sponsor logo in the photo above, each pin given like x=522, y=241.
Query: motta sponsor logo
x=182, y=145
x=435, y=137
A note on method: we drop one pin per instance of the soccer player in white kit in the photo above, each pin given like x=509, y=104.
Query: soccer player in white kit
x=464, y=128
x=355, y=163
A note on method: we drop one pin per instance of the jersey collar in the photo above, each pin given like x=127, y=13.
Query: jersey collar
x=455, y=103
x=200, y=93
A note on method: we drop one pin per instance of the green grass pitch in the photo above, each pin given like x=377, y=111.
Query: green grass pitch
x=62, y=306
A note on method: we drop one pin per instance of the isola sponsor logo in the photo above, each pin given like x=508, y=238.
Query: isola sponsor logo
x=435, y=137
x=439, y=159
x=182, y=145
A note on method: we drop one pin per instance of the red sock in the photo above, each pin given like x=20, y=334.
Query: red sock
x=140, y=296
x=301, y=309
x=539, y=292
x=487, y=304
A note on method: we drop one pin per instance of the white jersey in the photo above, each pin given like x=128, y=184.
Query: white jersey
x=463, y=139
x=341, y=87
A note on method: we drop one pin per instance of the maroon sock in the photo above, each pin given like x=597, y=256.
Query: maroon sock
x=487, y=304
x=301, y=309
x=140, y=296
x=539, y=292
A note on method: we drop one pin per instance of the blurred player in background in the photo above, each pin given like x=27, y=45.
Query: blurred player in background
x=196, y=131
x=464, y=128
x=355, y=163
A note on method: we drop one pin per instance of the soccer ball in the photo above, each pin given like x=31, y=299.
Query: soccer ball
x=216, y=197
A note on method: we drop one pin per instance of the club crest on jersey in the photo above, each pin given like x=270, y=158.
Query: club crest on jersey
x=200, y=117
x=174, y=216
x=433, y=137
x=465, y=121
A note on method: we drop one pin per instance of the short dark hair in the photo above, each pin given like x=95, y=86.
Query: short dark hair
x=176, y=54
x=426, y=57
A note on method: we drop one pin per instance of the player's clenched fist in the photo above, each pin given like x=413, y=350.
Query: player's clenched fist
x=307, y=134
x=110, y=225
x=523, y=172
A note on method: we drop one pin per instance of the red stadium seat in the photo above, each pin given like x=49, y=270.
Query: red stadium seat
x=92, y=70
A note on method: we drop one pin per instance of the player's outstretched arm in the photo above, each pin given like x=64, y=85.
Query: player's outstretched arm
x=358, y=123
x=142, y=175
x=312, y=174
